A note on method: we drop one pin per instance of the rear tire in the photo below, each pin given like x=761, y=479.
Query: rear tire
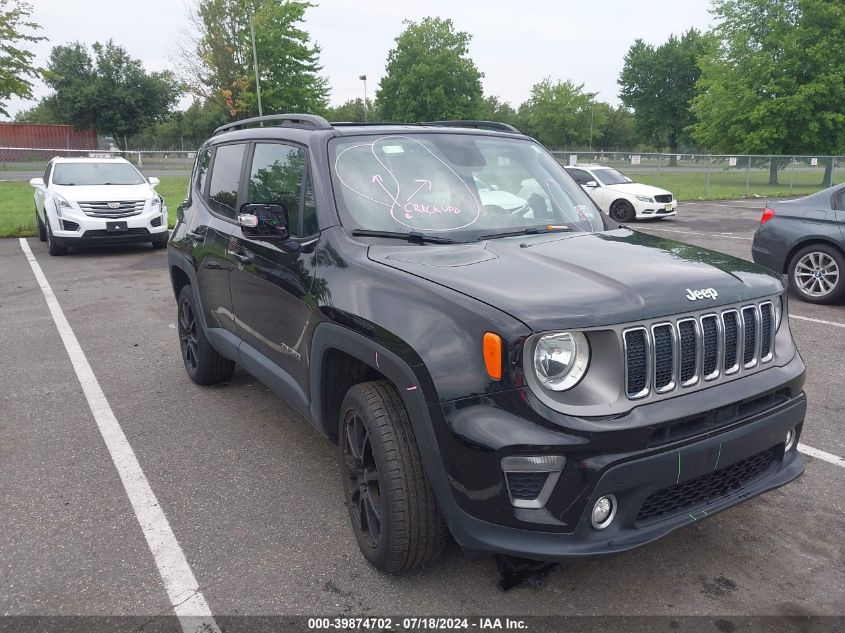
x=42, y=230
x=815, y=274
x=52, y=247
x=205, y=366
x=622, y=211
x=391, y=505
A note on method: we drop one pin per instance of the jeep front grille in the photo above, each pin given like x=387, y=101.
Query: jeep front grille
x=123, y=209
x=683, y=351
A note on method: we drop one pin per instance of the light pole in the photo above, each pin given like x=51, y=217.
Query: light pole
x=255, y=64
x=364, y=79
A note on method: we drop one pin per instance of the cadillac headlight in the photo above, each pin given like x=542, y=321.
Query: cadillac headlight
x=561, y=359
x=60, y=203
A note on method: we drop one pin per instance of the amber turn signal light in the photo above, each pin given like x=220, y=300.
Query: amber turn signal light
x=493, y=355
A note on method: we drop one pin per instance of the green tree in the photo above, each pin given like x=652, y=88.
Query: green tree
x=776, y=84
x=658, y=83
x=16, y=62
x=218, y=64
x=111, y=92
x=352, y=110
x=182, y=130
x=430, y=75
x=618, y=131
x=41, y=112
x=558, y=114
x=493, y=109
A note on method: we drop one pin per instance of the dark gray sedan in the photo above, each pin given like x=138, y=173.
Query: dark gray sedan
x=805, y=239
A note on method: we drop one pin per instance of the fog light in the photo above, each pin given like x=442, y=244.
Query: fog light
x=603, y=512
x=790, y=439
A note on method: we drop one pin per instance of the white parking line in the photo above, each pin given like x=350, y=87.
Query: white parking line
x=828, y=457
x=822, y=321
x=182, y=588
x=732, y=237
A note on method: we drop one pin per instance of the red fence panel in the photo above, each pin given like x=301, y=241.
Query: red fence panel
x=37, y=136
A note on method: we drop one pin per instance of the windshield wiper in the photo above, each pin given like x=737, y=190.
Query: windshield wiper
x=531, y=230
x=411, y=236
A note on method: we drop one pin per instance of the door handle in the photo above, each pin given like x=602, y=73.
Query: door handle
x=242, y=256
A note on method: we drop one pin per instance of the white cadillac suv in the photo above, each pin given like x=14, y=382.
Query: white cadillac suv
x=620, y=197
x=89, y=201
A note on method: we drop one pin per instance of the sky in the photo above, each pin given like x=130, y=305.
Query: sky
x=514, y=46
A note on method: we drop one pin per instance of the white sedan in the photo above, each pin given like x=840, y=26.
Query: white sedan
x=620, y=197
x=89, y=201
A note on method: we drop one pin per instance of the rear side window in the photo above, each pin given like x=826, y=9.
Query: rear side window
x=278, y=176
x=226, y=179
x=203, y=160
x=580, y=176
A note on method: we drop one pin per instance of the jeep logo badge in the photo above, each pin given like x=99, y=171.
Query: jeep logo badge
x=704, y=293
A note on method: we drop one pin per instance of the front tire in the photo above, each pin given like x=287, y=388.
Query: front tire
x=622, y=211
x=205, y=366
x=42, y=230
x=159, y=244
x=52, y=247
x=815, y=273
x=391, y=505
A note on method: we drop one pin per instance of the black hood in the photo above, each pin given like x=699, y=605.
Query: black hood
x=584, y=279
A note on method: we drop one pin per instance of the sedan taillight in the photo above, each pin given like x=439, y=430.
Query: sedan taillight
x=768, y=214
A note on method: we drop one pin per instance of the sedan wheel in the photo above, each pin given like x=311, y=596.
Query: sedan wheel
x=622, y=211
x=816, y=274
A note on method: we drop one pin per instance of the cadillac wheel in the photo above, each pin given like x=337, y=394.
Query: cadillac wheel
x=394, y=515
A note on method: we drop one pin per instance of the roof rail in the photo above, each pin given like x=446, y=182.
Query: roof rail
x=481, y=125
x=313, y=120
x=370, y=123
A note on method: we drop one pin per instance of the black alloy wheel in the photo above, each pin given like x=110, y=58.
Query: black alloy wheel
x=363, y=489
x=392, y=507
x=204, y=364
x=622, y=211
x=188, y=335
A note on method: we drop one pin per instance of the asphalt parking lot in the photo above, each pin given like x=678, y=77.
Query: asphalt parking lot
x=252, y=493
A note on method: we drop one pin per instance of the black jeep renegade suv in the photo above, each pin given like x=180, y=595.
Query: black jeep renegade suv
x=494, y=357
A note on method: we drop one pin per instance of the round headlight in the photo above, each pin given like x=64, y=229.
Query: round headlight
x=561, y=360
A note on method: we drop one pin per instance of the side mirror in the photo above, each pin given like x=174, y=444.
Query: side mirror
x=264, y=220
x=153, y=181
x=36, y=182
x=592, y=184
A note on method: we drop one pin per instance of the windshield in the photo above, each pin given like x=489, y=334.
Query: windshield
x=611, y=177
x=96, y=174
x=460, y=186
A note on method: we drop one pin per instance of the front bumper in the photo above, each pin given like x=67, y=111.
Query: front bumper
x=148, y=226
x=656, y=209
x=739, y=460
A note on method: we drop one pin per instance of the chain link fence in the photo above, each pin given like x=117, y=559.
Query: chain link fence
x=687, y=176
x=710, y=176
x=26, y=162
